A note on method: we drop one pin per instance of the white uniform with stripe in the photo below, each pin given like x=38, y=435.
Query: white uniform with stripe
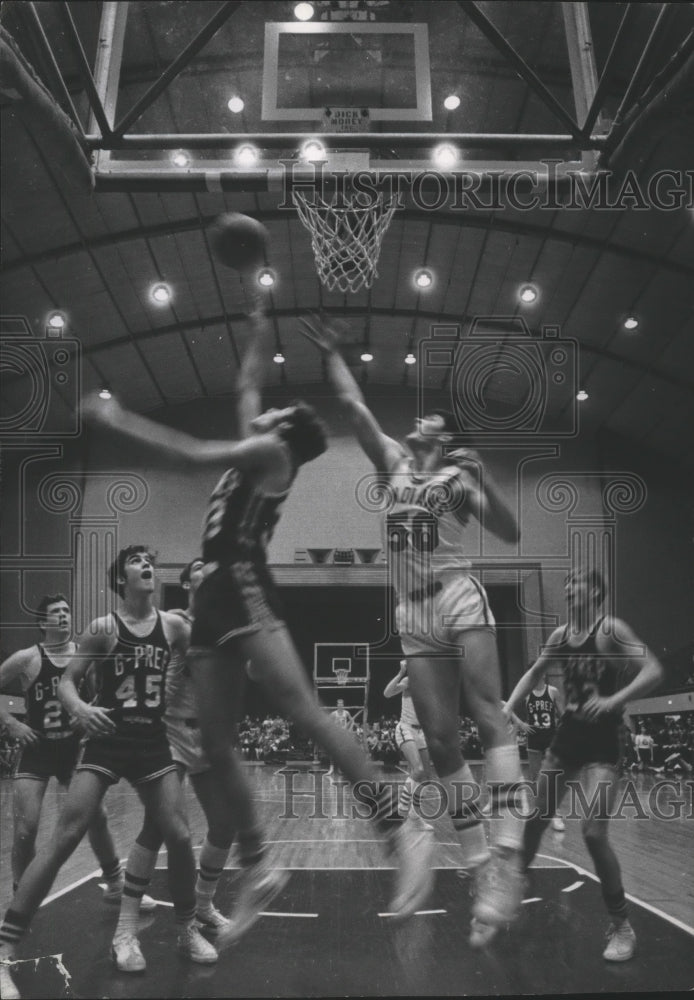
x=437, y=597
x=408, y=728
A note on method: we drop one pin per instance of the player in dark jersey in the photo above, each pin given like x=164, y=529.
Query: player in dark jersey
x=49, y=743
x=185, y=742
x=124, y=738
x=238, y=614
x=543, y=707
x=595, y=651
x=429, y=496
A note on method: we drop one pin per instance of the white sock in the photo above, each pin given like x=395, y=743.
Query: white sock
x=211, y=866
x=138, y=873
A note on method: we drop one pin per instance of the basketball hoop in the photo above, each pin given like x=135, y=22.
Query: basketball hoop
x=346, y=236
x=341, y=677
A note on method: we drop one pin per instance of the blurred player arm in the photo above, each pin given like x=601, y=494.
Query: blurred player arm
x=522, y=727
x=91, y=720
x=253, y=372
x=557, y=697
x=17, y=670
x=620, y=641
x=382, y=450
x=258, y=454
x=532, y=677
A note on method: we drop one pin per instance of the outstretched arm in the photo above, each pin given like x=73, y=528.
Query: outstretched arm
x=382, y=450
x=167, y=446
x=254, y=370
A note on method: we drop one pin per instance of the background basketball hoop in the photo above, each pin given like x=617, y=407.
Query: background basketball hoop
x=341, y=677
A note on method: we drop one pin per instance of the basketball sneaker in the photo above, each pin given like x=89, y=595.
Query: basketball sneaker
x=211, y=920
x=499, y=889
x=413, y=847
x=8, y=989
x=621, y=942
x=192, y=945
x=113, y=893
x=259, y=886
x=127, y=954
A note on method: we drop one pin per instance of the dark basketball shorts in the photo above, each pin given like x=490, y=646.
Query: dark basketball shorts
x=49, y=759
x=579, y=743
x=234, y=600
x=138, y=757
x=540, y=741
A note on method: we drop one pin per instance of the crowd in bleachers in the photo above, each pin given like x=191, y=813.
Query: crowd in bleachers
x=668, y=746
x=271, y=738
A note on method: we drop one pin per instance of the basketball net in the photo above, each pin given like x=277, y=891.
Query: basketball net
x=341, y=676
x=346, y=236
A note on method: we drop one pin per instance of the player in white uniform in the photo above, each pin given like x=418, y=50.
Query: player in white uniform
x=443, y=617
x=411, y=742
x=341, y=717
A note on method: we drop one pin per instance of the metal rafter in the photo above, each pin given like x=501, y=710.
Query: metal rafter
x=84, y=69
x=531, y=78
x=628, y=18
x=177, y=66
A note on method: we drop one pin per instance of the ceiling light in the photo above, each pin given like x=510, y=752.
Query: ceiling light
x=312, y=150
x=367, y=356
x=56, y=320
x=445, y=156
x=303, y=11
x=410, y=359
x=451, y=102
x=527, y=293
x=423, y=279
x=279, y=358
x=235, y=104
x=581, y=395
x=105, y=393
x=161, y=294
x=266, y=278
x=180, y=158
x=630, y=323
x=246, y=156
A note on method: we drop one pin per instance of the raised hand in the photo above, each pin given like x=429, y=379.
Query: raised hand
x=324, y=333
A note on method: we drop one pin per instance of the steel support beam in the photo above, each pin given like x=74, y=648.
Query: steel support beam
x=625, y=24
x=552, y=142
x=177, y=66
x=519, y=64
x=637, y=77
x=84, y=70
x=36, y=28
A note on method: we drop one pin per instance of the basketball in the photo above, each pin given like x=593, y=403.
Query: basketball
x=238, y=240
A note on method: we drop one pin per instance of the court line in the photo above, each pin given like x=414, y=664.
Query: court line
x=274, y=913
x=632, y=899
x=574, y=886
x=417, y=913
x=69, y=888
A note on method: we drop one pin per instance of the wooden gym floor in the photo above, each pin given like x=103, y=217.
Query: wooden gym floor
x=326, y=935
